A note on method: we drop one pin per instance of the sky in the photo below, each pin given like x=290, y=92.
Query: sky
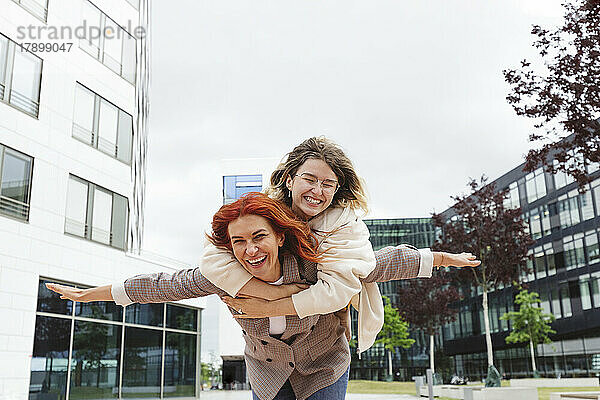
x=412, y=91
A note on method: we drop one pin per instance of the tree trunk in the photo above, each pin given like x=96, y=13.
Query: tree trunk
x=390, y=364
x=488, y=335
x=431, y=353
x=532, y=356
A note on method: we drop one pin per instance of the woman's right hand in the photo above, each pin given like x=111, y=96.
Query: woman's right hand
x=100, y=293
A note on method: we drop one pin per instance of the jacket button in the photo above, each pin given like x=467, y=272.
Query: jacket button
x=243, y=332
x=292, y=364
x=269, y=360
x=264, y=342
x=312, y=328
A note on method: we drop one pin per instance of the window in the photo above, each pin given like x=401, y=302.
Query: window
x=544, y=303
x=535, y=224
x=512, y=199
x=539, y=262
x=568, y=209
x=586, y=205
x=584, y=289
x=545, y=220
x=535, y=184
x=95, y=213
x=102, y=125
x=15, y=183
x=573, y=251
x=237, y=185
x=116, y=48
x=550, y=260
x=101, y=336
x=20, y=77
x=561, y=179
x=591, y=247
x=595, y=291
x=3, y=61
x=530, y=267
x=596, y=190
x=38, y=8
x=565, y=299
x=555, y=303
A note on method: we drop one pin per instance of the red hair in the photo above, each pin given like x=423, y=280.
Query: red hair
x=299, y=240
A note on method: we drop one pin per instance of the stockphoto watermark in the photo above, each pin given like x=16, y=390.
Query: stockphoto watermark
x=83, y=31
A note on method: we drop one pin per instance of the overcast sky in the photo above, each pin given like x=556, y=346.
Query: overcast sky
x=412, y=90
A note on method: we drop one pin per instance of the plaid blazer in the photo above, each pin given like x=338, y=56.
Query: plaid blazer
x=312, y=353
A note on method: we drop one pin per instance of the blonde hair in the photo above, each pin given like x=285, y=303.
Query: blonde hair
x=351, y=192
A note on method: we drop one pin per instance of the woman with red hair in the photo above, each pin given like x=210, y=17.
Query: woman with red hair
x=286, y=357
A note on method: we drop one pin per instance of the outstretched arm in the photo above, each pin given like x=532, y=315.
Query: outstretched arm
x=406, y=262
x=146, y=288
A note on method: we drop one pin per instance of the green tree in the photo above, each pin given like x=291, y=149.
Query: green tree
x=394, y=332
x=529, y=324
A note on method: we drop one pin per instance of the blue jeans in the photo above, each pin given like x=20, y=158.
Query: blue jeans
x=335, y=391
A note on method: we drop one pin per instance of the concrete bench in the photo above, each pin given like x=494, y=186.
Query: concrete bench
x=455, y=391
x=501, y=393
x=575, y=396
x=550, y=382
x=424, y=390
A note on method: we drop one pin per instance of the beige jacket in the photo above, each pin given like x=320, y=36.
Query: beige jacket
x=348, y=257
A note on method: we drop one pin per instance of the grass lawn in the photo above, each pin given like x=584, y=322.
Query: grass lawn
x=375, y=387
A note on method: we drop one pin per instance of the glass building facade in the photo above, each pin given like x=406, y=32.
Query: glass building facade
x=564, y=270
x=104, y=351
x=235, y=186
x=373, y=364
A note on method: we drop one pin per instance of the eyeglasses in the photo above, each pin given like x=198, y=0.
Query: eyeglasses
x=328, y=186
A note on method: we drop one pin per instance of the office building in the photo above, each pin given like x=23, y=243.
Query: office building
x=73, y=112
x=565, y=268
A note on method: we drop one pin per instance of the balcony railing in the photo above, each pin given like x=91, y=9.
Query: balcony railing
x=112, y=63
x=107, y=147
x=80, y=229
x=83, y=134
x=14, y=208
x=24, y=103
x=75, y=227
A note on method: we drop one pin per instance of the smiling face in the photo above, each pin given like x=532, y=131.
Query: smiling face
x=256, y=246
x=309, y=200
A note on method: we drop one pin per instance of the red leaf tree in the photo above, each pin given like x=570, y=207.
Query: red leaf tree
x=426, y=305
x=496, y=235
x=564, y=97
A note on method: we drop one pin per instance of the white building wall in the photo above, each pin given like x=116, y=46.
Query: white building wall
x=39, y=247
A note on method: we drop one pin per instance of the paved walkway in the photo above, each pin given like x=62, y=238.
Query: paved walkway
x=246, y=395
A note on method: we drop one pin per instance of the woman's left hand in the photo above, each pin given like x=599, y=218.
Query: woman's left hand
x=250, y=307
x=443, y=259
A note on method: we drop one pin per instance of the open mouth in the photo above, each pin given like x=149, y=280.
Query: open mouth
x=312, y=201
x=257, y=262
